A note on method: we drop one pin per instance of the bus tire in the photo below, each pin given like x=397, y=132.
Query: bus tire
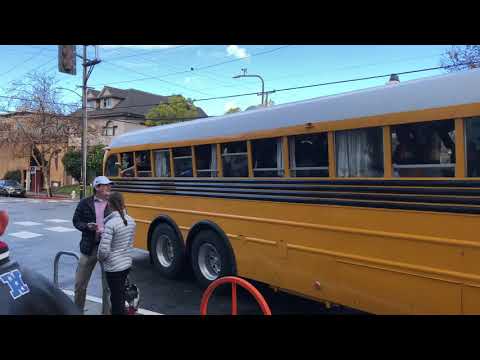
x=167, y=252
x=211, y=258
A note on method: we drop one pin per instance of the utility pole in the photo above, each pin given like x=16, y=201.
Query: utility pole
x=67, y=56
x=257, y=76
x=88, y=66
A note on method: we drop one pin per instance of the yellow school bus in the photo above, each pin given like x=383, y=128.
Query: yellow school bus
x=369, y=199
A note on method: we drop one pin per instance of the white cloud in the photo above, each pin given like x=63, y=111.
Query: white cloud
x=187, y=80
x=237, y=51
x=229, y=105
x=148, y=47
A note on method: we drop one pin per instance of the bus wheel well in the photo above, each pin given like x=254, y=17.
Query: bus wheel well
x=209, y=225
x=162, y=219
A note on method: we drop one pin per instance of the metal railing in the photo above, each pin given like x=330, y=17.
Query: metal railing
x=55, y=263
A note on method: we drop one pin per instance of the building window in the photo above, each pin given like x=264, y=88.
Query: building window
x=267, y=157
x=309, y=155
x=182, y=161
x=109, y=129
x=107, y=103
x=91, y=105
x=359, y=153
x=206, y=160
x=142, y=161
x=424, y=149
x=128, y=169
x=112, y=169
x=162, y=163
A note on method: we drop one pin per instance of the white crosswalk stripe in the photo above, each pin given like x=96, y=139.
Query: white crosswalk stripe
x=60, y=229
x=26, y=223
x=24, y=235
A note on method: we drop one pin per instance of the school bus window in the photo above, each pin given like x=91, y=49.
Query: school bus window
x=309, y=155
x=235, y=159
x=472, y=143
x=359, y=152
x=206, y=160
x=267, y=157
x=111, y=167
x=424, y=149
x=162, y=163
x=127, y=165
x=142, y=161
x=182, y=161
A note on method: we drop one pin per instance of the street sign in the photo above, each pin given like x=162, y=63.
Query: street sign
x=67, y=59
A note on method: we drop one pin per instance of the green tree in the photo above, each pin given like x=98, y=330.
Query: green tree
x=72, y=162
x=233, y=110
x=95, y=162
x=174, y=109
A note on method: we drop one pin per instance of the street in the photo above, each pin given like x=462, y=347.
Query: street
x=38, y=229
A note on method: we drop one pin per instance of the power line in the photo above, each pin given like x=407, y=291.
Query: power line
x=195, y=68
x=201, y=75
x=24, y=62
x=155, y=77
x=338, y=82
x=279, y=90
x=164, y=50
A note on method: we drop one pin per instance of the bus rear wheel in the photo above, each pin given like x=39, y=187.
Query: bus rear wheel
x=166, y=250
x=210, y=257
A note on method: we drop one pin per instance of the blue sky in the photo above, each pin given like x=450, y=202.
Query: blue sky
x=284, y=67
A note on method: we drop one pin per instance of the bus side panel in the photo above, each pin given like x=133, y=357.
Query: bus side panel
x=471, y=300
x=388, y=292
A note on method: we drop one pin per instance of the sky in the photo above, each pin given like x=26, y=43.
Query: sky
x=205, y=71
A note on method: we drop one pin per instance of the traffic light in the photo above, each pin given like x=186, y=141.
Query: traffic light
x=67, y=59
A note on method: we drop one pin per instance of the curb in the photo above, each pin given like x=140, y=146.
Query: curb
x=44, y=197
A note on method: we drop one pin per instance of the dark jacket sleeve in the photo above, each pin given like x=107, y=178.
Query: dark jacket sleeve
x=44, y=298
x=78, y=217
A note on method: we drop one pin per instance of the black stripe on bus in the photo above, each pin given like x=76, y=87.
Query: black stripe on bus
x=312, y=194
x=325, y=188
x=366, y=204
x=351, y=182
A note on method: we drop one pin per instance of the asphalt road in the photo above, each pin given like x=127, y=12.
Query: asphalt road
x=38, y=229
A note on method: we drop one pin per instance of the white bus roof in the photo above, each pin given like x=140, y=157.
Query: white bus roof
x=433, y=92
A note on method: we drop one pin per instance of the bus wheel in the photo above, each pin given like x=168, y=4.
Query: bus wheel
x=210, y=258
x=166, y=251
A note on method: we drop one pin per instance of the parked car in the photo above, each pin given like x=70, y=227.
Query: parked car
x=11, y=188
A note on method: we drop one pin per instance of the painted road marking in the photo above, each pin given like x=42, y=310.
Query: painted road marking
x=26, y=223
x=99, y=301
x=25, y=234
x=57, y=220
x=60, y=229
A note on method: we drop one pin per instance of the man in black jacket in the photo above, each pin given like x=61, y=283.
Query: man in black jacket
x=24, y=292
x=88, y=219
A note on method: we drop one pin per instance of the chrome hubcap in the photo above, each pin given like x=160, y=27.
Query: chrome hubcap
x=165, y=251
x=209, y=261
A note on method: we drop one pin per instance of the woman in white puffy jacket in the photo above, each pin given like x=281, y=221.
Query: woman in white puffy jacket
x=114, y=251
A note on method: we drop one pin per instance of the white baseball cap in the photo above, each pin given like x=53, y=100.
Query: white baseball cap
x=101, y=180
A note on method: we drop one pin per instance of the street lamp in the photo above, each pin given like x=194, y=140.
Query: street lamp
x=257, y=76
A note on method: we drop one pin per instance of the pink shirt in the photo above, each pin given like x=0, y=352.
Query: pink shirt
x=100, y=206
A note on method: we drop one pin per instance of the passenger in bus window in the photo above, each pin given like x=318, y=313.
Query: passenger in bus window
x=127, y=165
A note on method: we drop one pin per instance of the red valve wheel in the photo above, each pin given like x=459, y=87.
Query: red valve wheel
x=234, y=281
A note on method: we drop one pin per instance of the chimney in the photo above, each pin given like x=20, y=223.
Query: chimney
x=394, y=79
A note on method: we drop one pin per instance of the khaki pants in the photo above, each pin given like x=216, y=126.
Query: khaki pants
x=85, y=268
